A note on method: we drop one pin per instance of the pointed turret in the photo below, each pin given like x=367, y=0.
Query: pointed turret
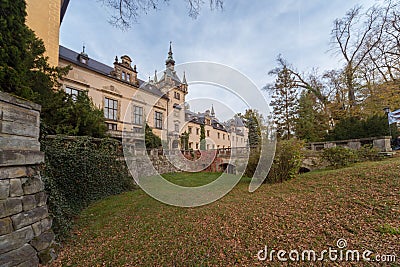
x=184, y=78
x=170, y=62
x=155, y=77
x=212, y=111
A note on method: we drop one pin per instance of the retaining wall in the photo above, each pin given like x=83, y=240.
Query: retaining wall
x=26, y=237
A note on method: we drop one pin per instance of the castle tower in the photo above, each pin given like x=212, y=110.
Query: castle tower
x=170, y=62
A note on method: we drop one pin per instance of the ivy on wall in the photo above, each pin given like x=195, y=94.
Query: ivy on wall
x=77, y=172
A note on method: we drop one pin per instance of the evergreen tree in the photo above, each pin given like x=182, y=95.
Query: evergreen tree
x=202, y=137
x=284, y=103
x=151, y=140
x=185, y=141
x=25, y=72
x=252, y=120
x=354, y=128
x=311, y=125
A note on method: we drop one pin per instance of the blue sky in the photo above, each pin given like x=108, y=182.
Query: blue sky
x=246, y=35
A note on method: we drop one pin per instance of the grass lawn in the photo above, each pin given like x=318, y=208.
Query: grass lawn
x=360, y=204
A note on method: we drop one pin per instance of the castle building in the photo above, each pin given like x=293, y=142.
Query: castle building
x=127, y=101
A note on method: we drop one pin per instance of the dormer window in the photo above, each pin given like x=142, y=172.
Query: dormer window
x=123, y=70
x=83, y=57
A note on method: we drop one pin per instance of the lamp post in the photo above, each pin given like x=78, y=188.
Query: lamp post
x=387, y=111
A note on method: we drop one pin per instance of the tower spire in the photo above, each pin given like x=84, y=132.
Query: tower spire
x=184, y=78
x=170, y=62
x=155, y=77
x=212, y=110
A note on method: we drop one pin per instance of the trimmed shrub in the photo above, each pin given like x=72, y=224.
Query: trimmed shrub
x=79, y=171
x=368, y=153
x=287, y=162
x=339, y=156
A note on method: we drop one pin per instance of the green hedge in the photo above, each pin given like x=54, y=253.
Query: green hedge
x=77, y=172
x=339, y=157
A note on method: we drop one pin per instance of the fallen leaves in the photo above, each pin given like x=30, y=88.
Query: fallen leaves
x=312, y=211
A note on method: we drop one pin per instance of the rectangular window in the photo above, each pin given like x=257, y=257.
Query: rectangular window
x=177, y=95
x=208, y=133
x=190, y=130
x=123, y=75
x=197, y=145
x=138, y=115
x=112, y=126
x=218, y=135
x=110, y=109
x=128, y=77
x=190, y=145
x=158, y=120
x=228, y=137
x=223, y=136
x=197, y=131
x=72, y=92
x=208, y=146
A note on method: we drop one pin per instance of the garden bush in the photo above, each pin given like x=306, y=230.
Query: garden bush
x=289, y=156
x=368, y=153
x=77, y=172
x=339, y=156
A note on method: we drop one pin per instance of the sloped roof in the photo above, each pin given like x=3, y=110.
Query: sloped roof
x=101, y=68
x=170, y=73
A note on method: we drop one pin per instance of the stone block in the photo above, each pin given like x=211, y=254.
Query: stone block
x=383, y=145
x=16, y=188
x=41, y=198
x=28, y=202
x=10, y=206
x=17, y=102
x=37, y=228
x=19, y=129
x=33, y=185
x=18, y=142
x=46, y=224
x=4, y=189
x=15, y=239
x=12, y=172
x=43, y=241
x=5, y=226
x=29, y=217
x=20, y=157
x=26, y=253
x=48, y=255
x=29, y=263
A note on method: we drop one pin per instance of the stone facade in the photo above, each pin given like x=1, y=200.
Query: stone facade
x=43, y=17
x=26, y=237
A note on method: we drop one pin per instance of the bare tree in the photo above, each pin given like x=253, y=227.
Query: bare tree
x=355, y=36
x=128, y=11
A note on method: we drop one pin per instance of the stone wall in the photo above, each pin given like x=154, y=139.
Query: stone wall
x=26, y=237
x=381, y=143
